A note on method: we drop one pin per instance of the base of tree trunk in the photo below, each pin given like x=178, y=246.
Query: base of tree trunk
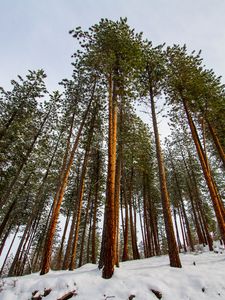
x=107, y=273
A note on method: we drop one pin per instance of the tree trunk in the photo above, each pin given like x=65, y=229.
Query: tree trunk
x=217, y=142
x=201, y=239
x=182, y=202
x=125, y=255
x=95, y=207
x=87, y=217
x=222, y=208
x=89, y=237
x=67, y=255
x=219, y=210
x=202, y=217
x=190, y=240
x=49, y=240
x=153, y=220
x=38, y=253
x=176, y=227
x=81, y=193
x=12, y=270
x=64, y=164
x=36, y=207
x=171, y=240
x=142, y=229
x=197, y=225
x=146, y=219
x=182, y=229
x=117, y=203
x=59, y=256
x=132, y=228
x=26, y=248
x=109, y=245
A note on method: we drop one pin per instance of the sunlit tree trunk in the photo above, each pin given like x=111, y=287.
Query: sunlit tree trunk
x=49, y=241
x=218, y=208
x=110, y=232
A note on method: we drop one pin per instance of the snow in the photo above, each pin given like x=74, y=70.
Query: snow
x=202, y=277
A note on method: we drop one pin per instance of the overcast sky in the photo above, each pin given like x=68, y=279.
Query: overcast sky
x=34, y=33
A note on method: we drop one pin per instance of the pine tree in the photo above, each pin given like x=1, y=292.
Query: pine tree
x=152, y=79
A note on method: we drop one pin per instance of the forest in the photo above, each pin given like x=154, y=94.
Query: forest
x=83, y=179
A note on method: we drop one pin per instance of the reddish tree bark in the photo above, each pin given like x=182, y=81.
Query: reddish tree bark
x=49, y=241
x=171, y=240
x=218, y=207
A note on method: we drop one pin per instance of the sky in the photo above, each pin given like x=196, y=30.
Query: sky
x=34, y=33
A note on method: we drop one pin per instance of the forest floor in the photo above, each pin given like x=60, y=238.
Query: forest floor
x=202, y=277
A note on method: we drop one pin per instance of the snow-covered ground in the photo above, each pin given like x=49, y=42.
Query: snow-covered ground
x=202, y=277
